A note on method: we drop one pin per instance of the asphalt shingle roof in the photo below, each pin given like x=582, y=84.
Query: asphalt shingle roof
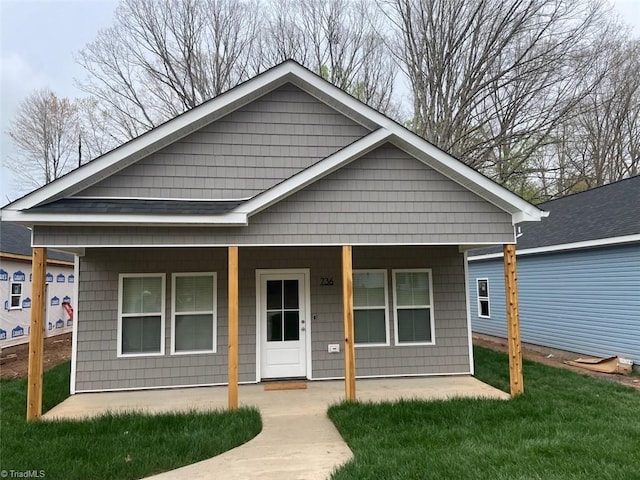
x=136, y=206
x=16, y=239
x=603, y=212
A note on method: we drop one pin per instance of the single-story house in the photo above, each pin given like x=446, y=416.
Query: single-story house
x=15, y=288
x=242, y=240
x=578, y=275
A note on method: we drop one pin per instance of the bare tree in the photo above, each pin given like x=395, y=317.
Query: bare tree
x=44, y=131
x=162, y=57
x=492, y=79
x=339, y=40
x=608, y=126
x=600, y=142
x=94, y=136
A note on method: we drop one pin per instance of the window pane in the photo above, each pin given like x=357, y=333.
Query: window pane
x=414, y=325
x=291, y=326
x=484, y=308
x=141, y=294
x=274, y=326
x=291, y=294
x=483, y=288
x=194, y=332
x=194, y=294
x=16, y=289
x=369, y=326
x=141, y=335
x=412, y=288
x=15, y=301
x=274, y=294
x=368, y=289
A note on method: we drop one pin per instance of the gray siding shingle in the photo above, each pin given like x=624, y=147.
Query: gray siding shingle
x=241, y=154
x=98, y=367
x=386, y=196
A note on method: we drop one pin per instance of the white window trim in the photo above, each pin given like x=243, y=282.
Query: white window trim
x=212, y=312
x=11, y=295
x=163, y=277
x=478, y=297
x=386, y=309
x=430, y=307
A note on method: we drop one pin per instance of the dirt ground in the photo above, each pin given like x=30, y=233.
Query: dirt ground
x=14, y=360
x=554, y=358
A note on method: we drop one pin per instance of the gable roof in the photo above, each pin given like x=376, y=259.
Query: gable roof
x=16, y=240
x=604, y=215
x=383, y=130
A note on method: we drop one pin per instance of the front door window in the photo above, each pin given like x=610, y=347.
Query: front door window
x=283, y=311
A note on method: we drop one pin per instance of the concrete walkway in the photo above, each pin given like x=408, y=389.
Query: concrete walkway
x=298, y=441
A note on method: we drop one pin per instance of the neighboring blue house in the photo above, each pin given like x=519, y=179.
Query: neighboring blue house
x=578, y=275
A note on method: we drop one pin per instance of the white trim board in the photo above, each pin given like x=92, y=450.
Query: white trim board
x=119, y=219
x=603, y=242
x=74, y=334
x=468, y=300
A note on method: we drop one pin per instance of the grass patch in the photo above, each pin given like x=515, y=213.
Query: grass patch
x=126, y=446
x=565, y=426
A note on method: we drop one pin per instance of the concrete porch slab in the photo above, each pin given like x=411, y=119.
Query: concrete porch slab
x=298, y=441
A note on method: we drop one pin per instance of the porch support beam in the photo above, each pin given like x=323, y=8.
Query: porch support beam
x=233, y=327
x=513, y=320
x=347, y=313
x=36, y=333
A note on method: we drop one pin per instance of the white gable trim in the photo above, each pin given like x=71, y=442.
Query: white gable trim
x=601, y=242
x=288, y=71
x=314, y=173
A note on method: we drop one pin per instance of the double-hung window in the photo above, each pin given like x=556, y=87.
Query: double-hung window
x=370, y=307
x=141, y=314
x=483, y=298
x=413, y=307
x=15, y=300
x=194, y=320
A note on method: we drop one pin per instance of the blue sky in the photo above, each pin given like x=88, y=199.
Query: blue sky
x=38, y=40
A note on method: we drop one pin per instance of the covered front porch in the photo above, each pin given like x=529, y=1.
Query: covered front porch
x=344, y=287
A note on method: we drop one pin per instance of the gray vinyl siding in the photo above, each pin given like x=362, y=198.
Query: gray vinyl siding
x=98, y=367
x=583, y=301
x=241, y=154
x=385, y=197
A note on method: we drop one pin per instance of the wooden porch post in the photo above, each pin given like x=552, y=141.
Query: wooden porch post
x=233, y=327
x=513, y=320
x=36, y=334
x=347, y=314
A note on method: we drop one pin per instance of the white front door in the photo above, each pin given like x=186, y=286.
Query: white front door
x=283, y=324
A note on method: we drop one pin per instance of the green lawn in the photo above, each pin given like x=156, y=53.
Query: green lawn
x=115, y=446
x=565, y=426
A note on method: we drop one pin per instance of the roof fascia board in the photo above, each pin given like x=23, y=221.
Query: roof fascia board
x=520, y=209
x=601, y=242
x=26, y=218
x=159, y=137
x=314, y=172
